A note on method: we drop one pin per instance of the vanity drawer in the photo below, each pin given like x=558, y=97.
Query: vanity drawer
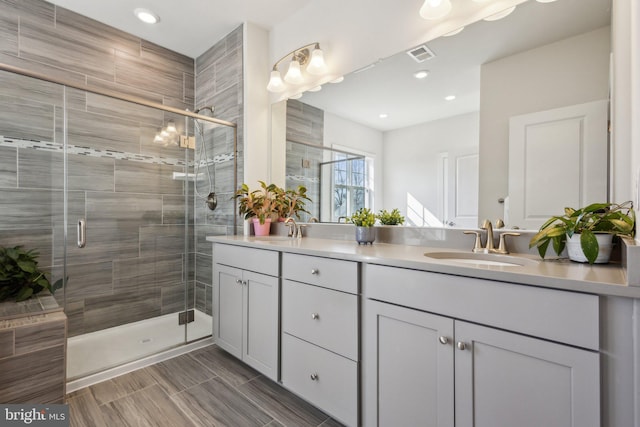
x=567, y=317
x=258, y=260
x=326, y=272
x=323, y=378
x=322, y=316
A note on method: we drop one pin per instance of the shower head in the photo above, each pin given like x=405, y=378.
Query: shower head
x=206, y=107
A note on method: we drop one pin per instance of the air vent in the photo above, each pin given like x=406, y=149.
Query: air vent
x=421, y=53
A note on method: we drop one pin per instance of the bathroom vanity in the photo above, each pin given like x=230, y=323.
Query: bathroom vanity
x=383, y=335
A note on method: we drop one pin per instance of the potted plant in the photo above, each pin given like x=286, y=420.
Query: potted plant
x=587, y=232
x=259, y=205
x=364, y=221
x=390, y=218
x=20, y=276
x=292, y=202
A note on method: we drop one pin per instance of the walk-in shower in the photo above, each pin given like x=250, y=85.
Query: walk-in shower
x=141, y=283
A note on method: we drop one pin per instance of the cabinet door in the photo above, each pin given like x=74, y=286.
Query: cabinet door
x=408, y=370
x=504, y=379
x=229, y=308
x=260, y=348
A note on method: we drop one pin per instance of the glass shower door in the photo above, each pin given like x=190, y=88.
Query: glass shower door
x=126, y=289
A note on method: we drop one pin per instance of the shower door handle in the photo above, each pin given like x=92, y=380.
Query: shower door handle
x=82, y=233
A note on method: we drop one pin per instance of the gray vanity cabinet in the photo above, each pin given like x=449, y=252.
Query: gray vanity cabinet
x=246, y=305
x=320, y=351
x=428, y=361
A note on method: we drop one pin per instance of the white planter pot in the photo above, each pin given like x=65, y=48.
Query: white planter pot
x=574, y=250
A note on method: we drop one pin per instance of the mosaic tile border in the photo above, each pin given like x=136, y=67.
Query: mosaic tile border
x=119, y=155
x=301, y=178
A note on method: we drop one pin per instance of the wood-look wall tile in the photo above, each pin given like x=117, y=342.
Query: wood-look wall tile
x=128, y=111
x=215, y=402
x=102, y=132
x=7, y=347
x=205, y=82
x=40, y=169
x=87, y=279
x=166, y=58
x=161, y=240
x=104, y=243
x=26, y=119
x=142, y=274
x=149, y=147
x=97, y=83
x=151, y=407
x=75, y=316
x=26, y=208
x=203, y=246
x=76, y=211
x=90, y=173
x=133, y=70
x=209, y=57
x=137, y=177
x=34, y=378
x=64, y=49
x=94, y=33
x=8, y=167
x=204, y=268
x=173, y=298
x=229, y=70
x=119, y=309
x=29, y=9
x=41, y=335
x=55, y=72
x=123, y=209
x=173, y=207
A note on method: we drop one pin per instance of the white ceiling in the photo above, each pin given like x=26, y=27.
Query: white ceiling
x=189, y=27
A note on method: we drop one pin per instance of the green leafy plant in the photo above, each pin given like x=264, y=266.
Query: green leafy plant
x=390, y=218
x=292, y=202
x=261, y=203
x=20, y=276
x=610, y=218
x=363, y=218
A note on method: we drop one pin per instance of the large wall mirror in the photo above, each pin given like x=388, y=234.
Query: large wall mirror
x=505, y=119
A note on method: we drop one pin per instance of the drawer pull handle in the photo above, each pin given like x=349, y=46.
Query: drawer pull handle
x=314, y=376
x=461, y=345
x=444, y=340
x=315, y=316
x=314, y=271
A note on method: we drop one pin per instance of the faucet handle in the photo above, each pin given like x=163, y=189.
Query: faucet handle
x=477, y=244
x=502, y=245
x=499, y=223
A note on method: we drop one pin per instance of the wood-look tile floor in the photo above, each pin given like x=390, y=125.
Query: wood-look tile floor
x=207, y=387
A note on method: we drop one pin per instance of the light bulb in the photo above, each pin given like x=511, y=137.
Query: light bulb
x=275, y=82
x=171, y=127
x=435, y=9
x=316, y=63
x=158, y=139
x=294, y=75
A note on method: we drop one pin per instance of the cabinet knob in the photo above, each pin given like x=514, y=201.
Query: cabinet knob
x=315, y=316
x=315, y=271
x=314, y=376
x=444, y=340
x=461, y=345
x=239, y=281
x=244, y=282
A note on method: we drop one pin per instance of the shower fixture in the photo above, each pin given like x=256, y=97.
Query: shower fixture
x=206, y=107
x=210, y=200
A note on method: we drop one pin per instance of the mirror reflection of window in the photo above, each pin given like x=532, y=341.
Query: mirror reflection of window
x=351, y=185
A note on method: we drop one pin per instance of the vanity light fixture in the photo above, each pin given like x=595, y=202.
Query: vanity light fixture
x=313, y=59
x=338, y=80
x=435, y=9
x=147, y=16
x=501, y=14
x=421, y=74
x=296, y=96
x=167, y=135
x=315, y=89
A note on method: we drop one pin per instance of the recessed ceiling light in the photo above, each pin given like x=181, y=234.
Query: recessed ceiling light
x=383, y=115
x=146, y=16
x=421, y=74
x=450, y=97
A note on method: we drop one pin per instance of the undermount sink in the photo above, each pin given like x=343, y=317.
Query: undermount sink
x=482, y=259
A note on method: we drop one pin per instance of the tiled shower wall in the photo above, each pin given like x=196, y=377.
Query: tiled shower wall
x=304, y=123
x=119, y=180
x=219, y=83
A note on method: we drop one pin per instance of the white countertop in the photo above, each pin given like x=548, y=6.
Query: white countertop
x=608, y=279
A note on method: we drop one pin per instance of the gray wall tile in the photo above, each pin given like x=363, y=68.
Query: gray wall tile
x=40, y=335
x=8, y=167
x=135, y=177
x=6, y=343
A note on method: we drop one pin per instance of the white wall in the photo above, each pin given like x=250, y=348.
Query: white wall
x=343, y=132
x=568, y=72
x=410, y=160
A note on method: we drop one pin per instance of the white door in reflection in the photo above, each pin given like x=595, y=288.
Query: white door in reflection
x=458, y=188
